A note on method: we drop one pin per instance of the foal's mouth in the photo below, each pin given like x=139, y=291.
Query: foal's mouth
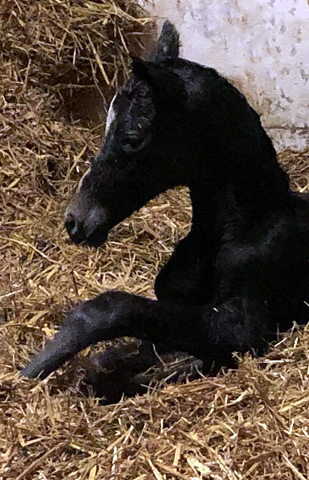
x=95, y=240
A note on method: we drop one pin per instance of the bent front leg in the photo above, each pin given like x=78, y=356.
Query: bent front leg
x=113, y=315
x=205, y=332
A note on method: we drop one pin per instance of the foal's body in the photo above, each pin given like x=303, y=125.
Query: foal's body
x=242, y=272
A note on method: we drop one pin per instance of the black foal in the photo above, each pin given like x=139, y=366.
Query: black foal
x=243, y=270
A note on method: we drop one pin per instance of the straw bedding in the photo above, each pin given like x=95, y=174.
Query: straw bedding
x=252, y=423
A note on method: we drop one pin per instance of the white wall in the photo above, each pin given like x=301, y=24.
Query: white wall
x=262, y=46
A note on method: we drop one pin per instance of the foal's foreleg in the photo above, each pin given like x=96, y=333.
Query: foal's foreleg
x=114, y=315
x=205, y=332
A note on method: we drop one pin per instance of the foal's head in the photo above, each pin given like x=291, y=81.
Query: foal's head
x=133, y=165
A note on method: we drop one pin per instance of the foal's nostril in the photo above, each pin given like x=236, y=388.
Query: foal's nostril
x=75, y=228
x=70, y=225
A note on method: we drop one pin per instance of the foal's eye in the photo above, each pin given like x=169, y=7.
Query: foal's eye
x=134, y=141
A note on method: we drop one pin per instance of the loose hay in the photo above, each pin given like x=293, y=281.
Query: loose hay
x=71, y=47
x=251, y=423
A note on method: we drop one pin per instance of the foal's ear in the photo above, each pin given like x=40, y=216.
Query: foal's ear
x=168, y=43
x=164, y=82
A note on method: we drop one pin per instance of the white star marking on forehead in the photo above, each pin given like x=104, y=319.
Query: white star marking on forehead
x=111, y=115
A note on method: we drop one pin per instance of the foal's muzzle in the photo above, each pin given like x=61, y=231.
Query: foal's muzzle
x=89, y=227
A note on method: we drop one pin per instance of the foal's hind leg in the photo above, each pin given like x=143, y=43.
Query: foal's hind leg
x=205, y=332
x=112, y=373
x=131, y=367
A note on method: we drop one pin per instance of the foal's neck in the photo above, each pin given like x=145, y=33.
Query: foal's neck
x=246, y=197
